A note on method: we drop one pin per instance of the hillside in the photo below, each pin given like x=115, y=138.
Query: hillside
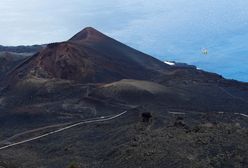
x=174, y=116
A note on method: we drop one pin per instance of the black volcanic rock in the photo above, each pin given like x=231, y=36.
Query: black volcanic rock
x=176, y=116
x=90, y=57
x=9, y=60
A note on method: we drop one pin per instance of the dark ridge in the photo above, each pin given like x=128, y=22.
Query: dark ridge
x=21, y=49
x=53, y=45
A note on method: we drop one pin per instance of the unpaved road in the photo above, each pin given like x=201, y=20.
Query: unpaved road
x=100, y=119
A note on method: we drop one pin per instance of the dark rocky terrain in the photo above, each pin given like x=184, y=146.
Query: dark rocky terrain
x=21, y=49
x=12, y=56
x=177, y=116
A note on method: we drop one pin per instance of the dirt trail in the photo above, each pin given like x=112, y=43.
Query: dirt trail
x=100, y=119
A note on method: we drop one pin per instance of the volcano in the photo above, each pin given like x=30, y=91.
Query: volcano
x=91, y=60
x=137, y=110
x=90, y=56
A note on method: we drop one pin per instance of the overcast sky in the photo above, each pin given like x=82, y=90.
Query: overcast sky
x=167, y=29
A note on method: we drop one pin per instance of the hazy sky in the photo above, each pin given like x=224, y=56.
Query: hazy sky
x=167, y=29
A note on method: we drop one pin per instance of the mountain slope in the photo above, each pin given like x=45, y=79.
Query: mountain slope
x=90, y=59
x=89, y=56
x=9, y=60
x=177, y=116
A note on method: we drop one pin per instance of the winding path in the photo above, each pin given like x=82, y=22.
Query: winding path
x=100, y=119
x=180, y=112
x=33, y=131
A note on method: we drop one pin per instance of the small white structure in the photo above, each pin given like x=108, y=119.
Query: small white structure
x=169, y=63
